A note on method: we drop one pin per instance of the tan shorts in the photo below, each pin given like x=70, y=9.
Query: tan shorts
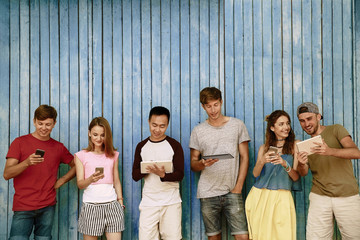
x=164, y=221
x=322, y=209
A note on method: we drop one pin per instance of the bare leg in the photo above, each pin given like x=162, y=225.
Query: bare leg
x=113, y=236
x=241, y=237
x=88, y=237
x=216, y=237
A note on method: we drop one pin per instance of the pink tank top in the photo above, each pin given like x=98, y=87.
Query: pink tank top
x=92, y=160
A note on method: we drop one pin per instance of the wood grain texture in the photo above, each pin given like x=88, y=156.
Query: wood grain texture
x=119, y=58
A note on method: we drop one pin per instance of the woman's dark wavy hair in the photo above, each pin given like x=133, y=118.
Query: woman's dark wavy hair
x=270, y=138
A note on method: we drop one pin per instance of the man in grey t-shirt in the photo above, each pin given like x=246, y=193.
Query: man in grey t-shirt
x=221, y=180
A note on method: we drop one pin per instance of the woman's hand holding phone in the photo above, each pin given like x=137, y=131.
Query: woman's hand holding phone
x=96, y=176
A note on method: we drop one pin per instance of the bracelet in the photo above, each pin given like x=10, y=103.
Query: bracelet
x=120, y=198
x=287, y=168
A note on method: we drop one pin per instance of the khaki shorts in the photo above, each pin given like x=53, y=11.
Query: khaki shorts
x=322, y=209
x=164, y=221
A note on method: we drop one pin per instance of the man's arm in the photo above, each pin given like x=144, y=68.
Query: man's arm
x=244, y=165
x=136, y=170
x=67, y=177
x=198, y=165
x=349, y=150
x=13, y=168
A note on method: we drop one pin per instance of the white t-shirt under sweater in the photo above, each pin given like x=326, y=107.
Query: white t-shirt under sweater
x=156, y=191
x=221, y=177
x=102, y=190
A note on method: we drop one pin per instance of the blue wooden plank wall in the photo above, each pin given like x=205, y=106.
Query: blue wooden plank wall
x=118, y=58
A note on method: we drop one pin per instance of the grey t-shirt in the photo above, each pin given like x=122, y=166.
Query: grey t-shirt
x=221, y=177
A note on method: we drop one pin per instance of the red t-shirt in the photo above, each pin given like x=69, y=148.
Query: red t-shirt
x=34, y=187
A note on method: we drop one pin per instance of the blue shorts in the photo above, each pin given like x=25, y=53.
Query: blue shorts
x=232, y=205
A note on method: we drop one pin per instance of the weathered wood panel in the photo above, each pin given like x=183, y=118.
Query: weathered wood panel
x=118, y=58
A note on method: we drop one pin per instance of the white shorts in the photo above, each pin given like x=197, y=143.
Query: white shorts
x=97, y=218
x=322, y=209
x=164, y=221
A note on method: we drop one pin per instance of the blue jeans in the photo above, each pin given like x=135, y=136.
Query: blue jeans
x=232, y=205
x=24, y=221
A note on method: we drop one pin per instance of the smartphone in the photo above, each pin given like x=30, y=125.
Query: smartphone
x=40, y=152
x=99, y=169
x=273, y=151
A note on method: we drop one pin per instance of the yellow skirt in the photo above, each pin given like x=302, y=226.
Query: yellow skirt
x=270, y=214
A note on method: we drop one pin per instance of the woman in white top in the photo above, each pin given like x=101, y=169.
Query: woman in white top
x=97, y=173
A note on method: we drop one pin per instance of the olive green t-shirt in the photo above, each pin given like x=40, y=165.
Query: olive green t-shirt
x=333, y=176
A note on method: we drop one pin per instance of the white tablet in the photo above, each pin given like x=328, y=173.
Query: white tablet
x=168, y=165
x=305, y=146
x=218, y=156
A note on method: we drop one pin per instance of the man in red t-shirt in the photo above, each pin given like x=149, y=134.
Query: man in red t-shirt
x=33, y=161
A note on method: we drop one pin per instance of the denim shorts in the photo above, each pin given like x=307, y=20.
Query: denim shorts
x=232, y=205
x=24, y=221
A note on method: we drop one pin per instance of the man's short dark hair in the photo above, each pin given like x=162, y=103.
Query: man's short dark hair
x=44, y=112
x=159, y=110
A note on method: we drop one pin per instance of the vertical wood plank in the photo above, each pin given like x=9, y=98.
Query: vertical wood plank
x=356, y=41
x=44, y=52
x=63, y=112
x=146, y=63
x=175, y=82
x=156, y=67
x=34, y=57
x=258, y=91
x=128, y=184
x=287, y=60
x=54, y=84
x=74, y=113
x=97, y=67
x=188, y=189
x=307, y=79
x=267, y=57
x=24, y=67
x=195, y=108
x=306, y=51
x=8, y=40
x=347, y=61
x=316, y=54
x=138, y=118
x=214, y=42
x=239, y=59
x=165, y=55
x=249, y=78
x=83, y=85
x=327, y=49
x=107, y=61
x=229, y=96
x=13, y=28
x=337, y=48
x=277, y=54
x=204, y=43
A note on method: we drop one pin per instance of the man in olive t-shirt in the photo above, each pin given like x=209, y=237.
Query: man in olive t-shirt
x=335, y=192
